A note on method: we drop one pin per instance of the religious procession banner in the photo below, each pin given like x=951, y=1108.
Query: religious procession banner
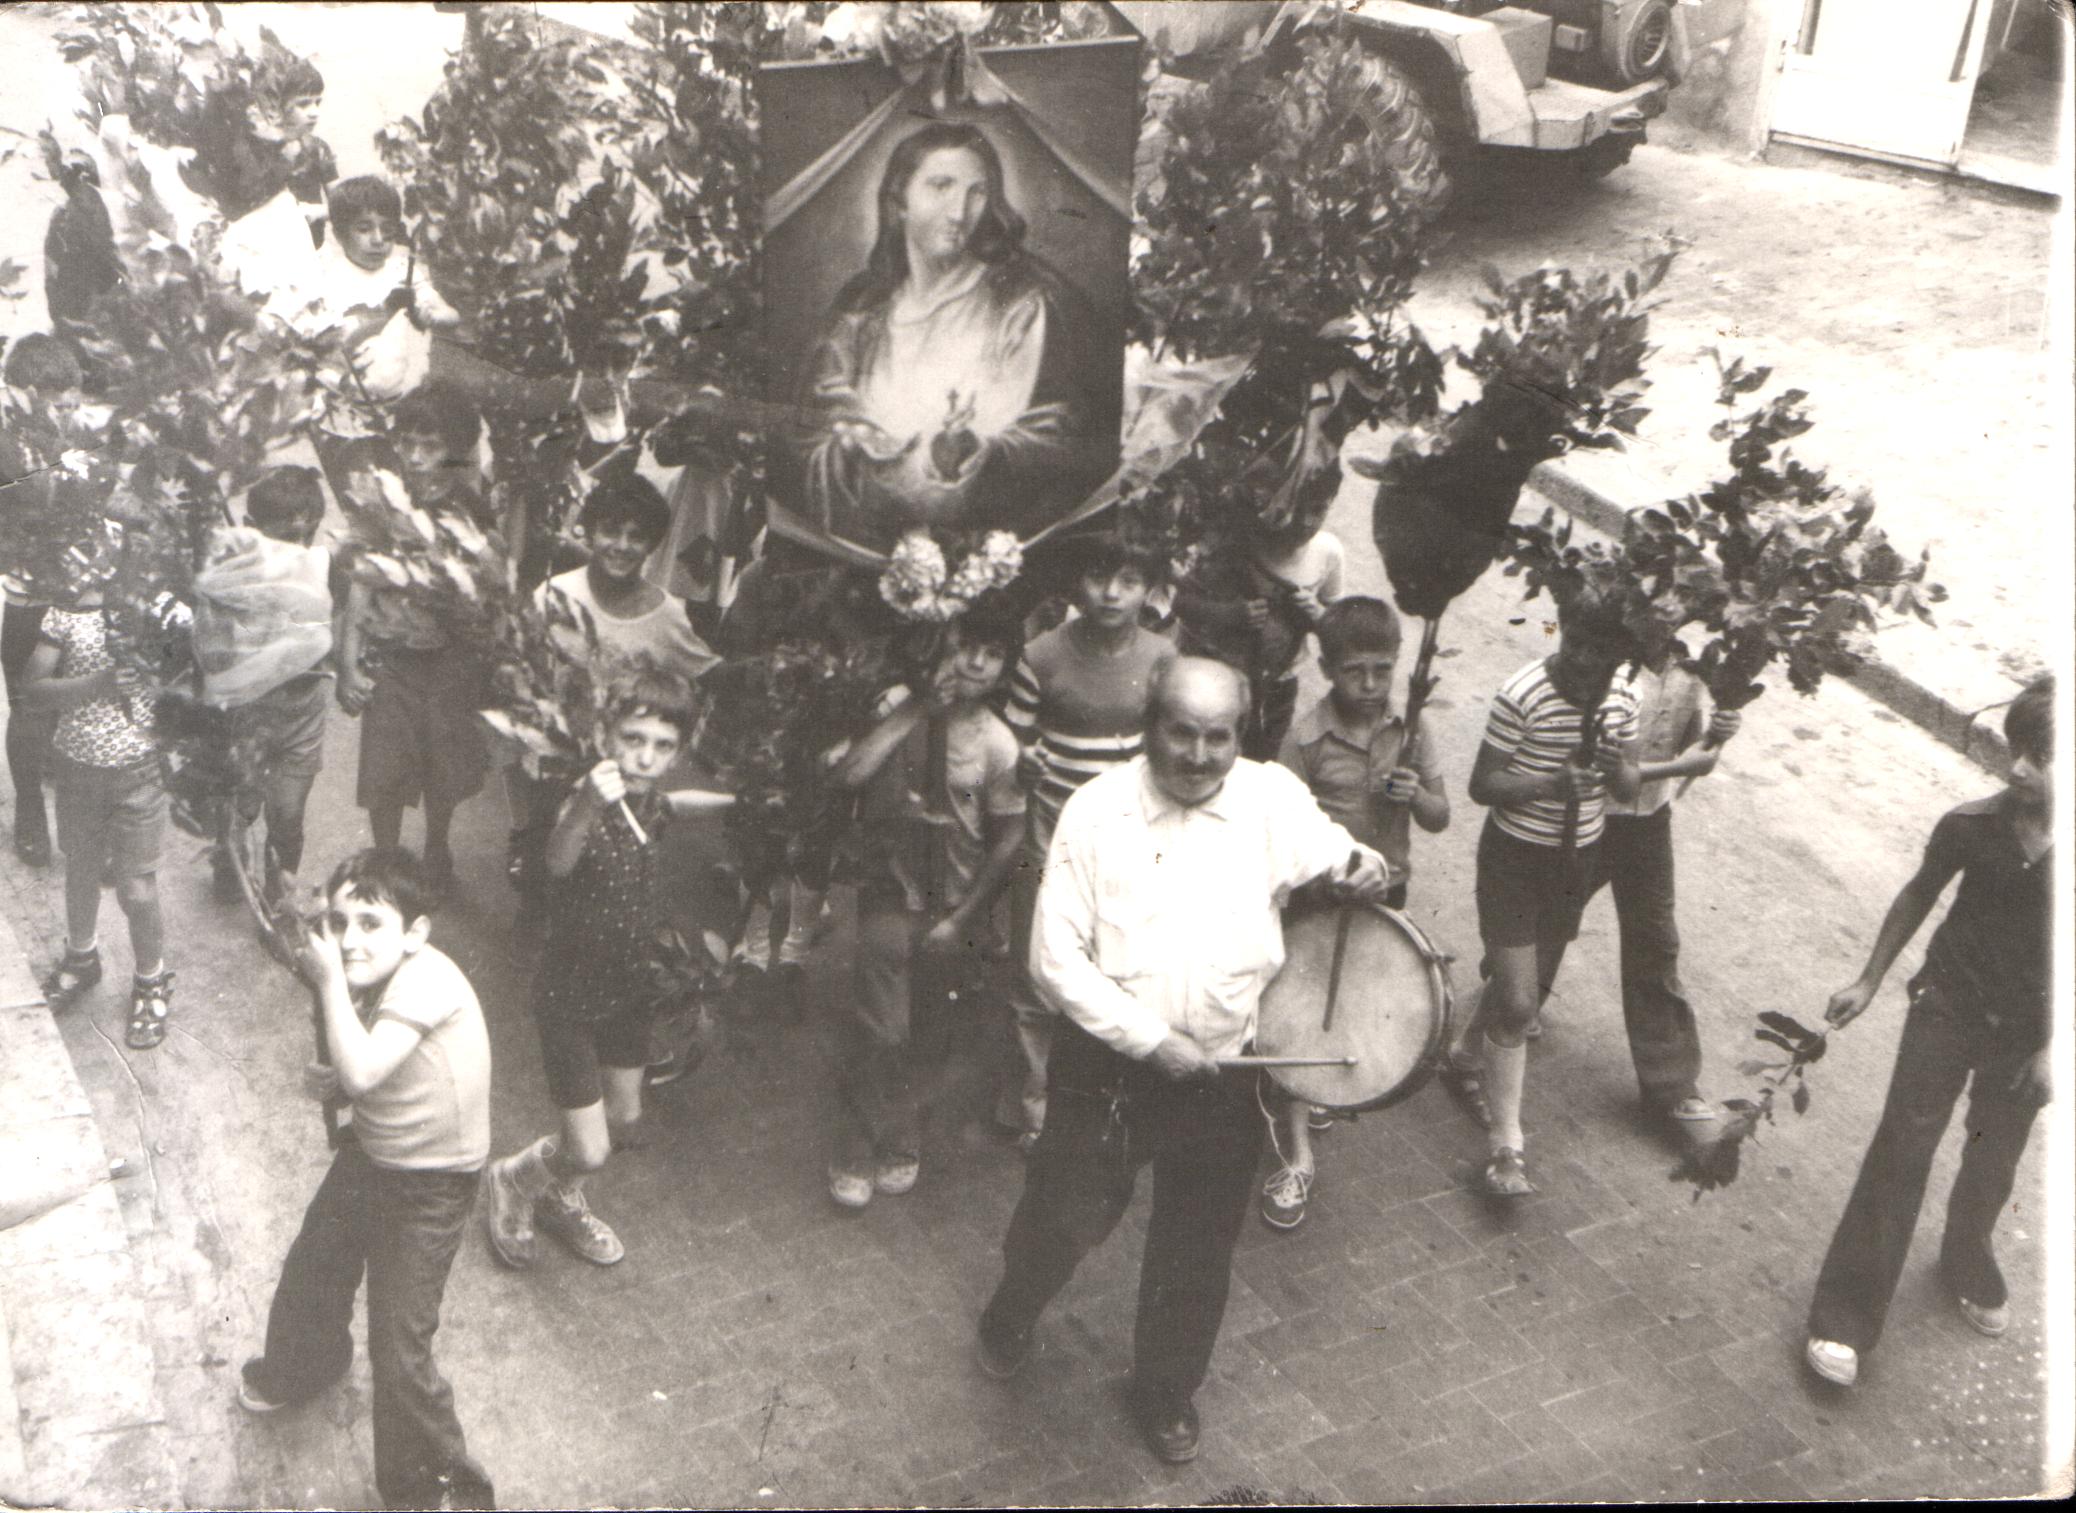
x=946, y=289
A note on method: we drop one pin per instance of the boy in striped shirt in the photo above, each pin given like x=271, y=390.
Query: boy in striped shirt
x=1540, y=845
x=1077, y=704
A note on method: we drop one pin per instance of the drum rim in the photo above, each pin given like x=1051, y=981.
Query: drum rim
x=1440, y=983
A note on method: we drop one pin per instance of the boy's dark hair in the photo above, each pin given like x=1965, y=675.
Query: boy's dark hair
x=40, y=361
x=655, y=694
x=362, y=195
x=992, y=620
x=387, y=875
x=1357, y=623
x=625, y=498
x=2029, y=722
x=442, y=410
x=286, y=503
x=1112, y=552
x=1593, y=610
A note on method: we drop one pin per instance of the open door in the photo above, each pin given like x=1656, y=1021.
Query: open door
x=1878, y=77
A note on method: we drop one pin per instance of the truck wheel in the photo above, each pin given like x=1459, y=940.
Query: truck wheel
x=1399, y=118
x=1637, y=43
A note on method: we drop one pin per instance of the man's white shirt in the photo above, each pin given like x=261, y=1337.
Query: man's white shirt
x=1153, y=915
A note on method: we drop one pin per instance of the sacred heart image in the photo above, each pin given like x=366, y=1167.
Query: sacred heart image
x=945, y=288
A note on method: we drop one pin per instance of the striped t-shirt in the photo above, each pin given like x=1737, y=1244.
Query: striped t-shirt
x=1084, y=711
x=1538, y=729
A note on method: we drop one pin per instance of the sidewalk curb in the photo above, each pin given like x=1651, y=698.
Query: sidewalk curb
x=1976, y=734
x=82, y=1423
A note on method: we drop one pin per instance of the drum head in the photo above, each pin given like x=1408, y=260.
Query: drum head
x=1390, y=1012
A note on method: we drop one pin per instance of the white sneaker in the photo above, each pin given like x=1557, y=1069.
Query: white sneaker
x=1989, y=1321
x=1835, y=1363
x=849, y=1189
x=896, y=1175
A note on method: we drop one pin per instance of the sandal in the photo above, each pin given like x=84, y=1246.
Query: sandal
x=1506, y=1174
x=78, y=971
x=1466, y=1084
x=151, y=1004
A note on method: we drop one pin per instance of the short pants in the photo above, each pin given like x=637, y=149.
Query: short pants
x=421, y=736
x=113, y=817
x=1528, y=894
x=287, y=725
x=573, y=1050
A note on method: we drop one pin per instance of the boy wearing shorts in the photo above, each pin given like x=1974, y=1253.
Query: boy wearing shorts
x=1535, y=859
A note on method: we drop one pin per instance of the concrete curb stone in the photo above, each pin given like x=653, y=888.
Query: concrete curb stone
x=81, y=1421
x=1976, y=733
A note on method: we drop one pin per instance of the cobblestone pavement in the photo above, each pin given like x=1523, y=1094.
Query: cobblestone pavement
x=1610, y=1338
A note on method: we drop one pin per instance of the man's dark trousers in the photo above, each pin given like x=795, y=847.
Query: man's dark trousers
x=1664, y=1042
x=402, y=1228
x=1944, y=1043
x=1204, y=1141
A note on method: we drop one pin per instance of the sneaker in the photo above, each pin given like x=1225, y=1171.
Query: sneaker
x=1283, y=1198
x=1319, y=1120
x=250, y=1398
x=1027, y=1143
x=849, y=1189
x=1693, y=1111
x=896, y=1175
x=568, y=1217
x=508, y=1216
x=1835, y=1363
x=1001, y=1354
x=663, y=1073
x=1985, y=1320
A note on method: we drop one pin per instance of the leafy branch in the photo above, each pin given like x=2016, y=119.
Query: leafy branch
x=1714, y=1163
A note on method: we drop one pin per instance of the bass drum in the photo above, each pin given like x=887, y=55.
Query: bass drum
x=1388, y=1006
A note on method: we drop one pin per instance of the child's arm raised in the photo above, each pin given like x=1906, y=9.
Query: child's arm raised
x=871, y=751
x=1912, y=904
x=602, y=788
x=362, y=1058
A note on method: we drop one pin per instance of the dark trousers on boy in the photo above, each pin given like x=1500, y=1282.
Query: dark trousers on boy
x=1635, y=864
x=896, y=1039
x=1274, y=707
x=1106, y=1116
x=1946, y=1042
x=401, y=1229
x=28, y=731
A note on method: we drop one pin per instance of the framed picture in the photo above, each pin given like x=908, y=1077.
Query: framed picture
x=946, y=290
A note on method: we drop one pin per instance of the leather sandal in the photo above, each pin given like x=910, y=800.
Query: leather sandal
x=72, y=976
x=1506, y=1174
x=1466, y=1084
x=151, y=1005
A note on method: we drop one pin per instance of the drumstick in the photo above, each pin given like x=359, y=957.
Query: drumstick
x=1286, y=1061
x=1333, y=973
x=641, y=836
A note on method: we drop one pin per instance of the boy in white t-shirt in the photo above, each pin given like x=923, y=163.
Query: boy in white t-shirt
x=370, y=285
x=406, y=1047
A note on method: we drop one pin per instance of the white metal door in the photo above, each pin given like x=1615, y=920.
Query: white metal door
x=1892, y=77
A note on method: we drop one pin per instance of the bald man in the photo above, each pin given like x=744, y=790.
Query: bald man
x=1157, y=928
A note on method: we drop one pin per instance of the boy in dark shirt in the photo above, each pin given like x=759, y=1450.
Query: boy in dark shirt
x=1979, y=1013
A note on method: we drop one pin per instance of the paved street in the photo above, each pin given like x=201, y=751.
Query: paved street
x=1609, y=1339
x=1612, y=1338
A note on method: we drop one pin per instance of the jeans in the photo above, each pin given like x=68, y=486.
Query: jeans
x=1203, y=1140
x=1945, y=1043
x=1020, y=1103
x=1664, y=1043
x=894, y=1044
x=402, y=1228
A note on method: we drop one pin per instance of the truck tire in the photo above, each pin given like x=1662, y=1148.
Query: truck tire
x=1414, y=142
x=1636, y=43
